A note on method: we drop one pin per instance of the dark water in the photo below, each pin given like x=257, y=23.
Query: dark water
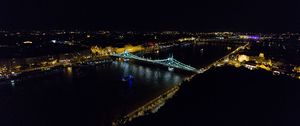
x=197, y=55
x=94, y=95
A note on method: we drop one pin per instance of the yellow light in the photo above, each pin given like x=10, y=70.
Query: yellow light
x=262, y=55
x=244, y=37
x=54, y=62
x=109, y=50
x=297, y=69
x=264, y=67
x=27, y=42
x=18, y=67
x=242, y=58
x=69, y=69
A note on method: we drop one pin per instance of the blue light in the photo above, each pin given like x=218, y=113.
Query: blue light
x=130, y=83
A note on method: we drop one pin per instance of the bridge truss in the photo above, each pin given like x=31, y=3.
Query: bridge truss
x=169, y=62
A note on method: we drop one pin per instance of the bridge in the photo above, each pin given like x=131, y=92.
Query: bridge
x=169, y=62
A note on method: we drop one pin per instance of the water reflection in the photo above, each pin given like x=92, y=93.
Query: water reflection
x=12, y=82
x=130, y=83
x=148, y=75
x=69, y=70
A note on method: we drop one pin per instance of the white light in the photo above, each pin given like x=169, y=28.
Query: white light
x=12, y=83
x=27, y=42
x=53, y=41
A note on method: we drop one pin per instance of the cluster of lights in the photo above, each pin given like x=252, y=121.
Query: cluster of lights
x=249, y=37
x=187, y=39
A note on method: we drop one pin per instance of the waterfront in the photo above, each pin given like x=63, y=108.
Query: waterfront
x=96, y=93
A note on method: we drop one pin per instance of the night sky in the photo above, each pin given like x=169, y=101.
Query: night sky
x=209, y=15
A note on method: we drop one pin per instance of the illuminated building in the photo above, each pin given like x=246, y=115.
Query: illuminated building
x=264, y=67
x=262, y=55
x=242, y=58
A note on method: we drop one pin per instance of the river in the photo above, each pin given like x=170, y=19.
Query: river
x=97, y=94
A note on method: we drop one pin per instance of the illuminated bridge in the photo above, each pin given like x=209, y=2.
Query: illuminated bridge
x=169, y=62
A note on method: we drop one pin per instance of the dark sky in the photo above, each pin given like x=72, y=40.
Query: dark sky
x=210, y=15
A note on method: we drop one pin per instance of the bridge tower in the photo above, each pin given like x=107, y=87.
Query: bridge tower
x=126, y=54
x=170, y=60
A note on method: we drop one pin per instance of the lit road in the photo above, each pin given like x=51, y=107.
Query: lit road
x=221, y=60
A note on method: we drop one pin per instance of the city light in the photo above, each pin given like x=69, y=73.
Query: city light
x=27, y=42
x=152, y=66
x=249, y=37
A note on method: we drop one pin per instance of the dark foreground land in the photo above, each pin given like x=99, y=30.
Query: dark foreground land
x=231, y=97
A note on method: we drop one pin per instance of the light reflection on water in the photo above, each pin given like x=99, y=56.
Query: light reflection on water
x=146, y=75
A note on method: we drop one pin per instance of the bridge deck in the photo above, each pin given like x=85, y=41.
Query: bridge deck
x=169, y=62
